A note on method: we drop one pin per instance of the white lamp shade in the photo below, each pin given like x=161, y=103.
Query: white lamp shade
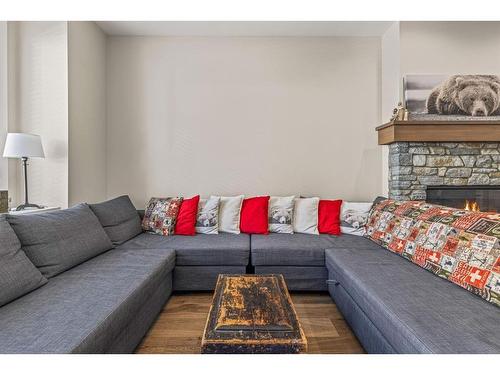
x=18, y=145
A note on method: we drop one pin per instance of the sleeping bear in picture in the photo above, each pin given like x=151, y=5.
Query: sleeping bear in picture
x=470, y=95
x=280, y=215
x=207, y=219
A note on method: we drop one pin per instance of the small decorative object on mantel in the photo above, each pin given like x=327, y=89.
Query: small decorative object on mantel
x=398, y=113
x=465, y=97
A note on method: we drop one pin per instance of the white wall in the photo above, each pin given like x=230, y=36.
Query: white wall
x=450, y=47
x=87, y=112
x=38, y=103
x=185, y=115
x=390, y=88
x=189, y=115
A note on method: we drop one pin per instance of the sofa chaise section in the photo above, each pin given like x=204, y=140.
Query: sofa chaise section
x=105, y=305
x=201, y=258
x=394, y=306
x=300, y=258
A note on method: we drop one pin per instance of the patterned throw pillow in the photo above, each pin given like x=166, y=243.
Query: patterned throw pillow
x=460, y=246
x=353, y=217
x=281, y=214
x=207, y=221
x=161, y=214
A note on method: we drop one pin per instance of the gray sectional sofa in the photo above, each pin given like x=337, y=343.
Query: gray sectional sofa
x=394, y=306
x=86, y=294
x=95, y=282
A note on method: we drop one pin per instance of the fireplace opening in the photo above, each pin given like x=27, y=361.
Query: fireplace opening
x=473, y=198
x=471, y=205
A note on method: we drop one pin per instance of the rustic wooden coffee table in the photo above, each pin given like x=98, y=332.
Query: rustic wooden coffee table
x=252, y=314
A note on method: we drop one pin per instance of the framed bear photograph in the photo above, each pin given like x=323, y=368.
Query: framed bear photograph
x=455, y=97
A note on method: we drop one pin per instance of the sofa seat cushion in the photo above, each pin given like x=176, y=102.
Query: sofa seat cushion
x=119, y=218
x=415, y=310
x=298, y=249
x=221, y=249
x=85, y=309
x=58, y=240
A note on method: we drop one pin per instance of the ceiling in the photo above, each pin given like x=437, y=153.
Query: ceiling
x=245, y=28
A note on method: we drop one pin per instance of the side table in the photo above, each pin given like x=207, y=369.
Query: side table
x=34, y=211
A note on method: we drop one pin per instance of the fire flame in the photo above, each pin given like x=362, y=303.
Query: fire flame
x=471, y=205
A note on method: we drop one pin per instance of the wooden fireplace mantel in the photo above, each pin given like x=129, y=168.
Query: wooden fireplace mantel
x=438, y=131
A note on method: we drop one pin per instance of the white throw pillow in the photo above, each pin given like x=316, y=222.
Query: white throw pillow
x=280, y=218
x=207, y=220
x=353, y=217
x=229, y=214
x=305, y=215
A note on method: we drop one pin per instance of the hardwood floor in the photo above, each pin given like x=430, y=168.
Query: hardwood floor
x=179, y=327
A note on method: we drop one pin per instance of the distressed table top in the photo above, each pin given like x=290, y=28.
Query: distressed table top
x=252, y=314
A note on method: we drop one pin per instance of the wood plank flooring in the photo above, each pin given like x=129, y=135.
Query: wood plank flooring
x=179, y=326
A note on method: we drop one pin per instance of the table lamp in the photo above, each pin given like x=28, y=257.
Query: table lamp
x=23, y=146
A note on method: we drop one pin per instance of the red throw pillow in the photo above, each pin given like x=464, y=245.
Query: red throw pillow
x=329, y=217
x=253, y=218
x=186, y=220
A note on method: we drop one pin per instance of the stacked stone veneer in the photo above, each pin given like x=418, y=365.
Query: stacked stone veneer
x=415, y=165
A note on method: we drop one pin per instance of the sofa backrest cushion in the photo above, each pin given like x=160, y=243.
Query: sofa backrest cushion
x=18, y=275
x=58, y=240
x=460, y=246
x=119, y=218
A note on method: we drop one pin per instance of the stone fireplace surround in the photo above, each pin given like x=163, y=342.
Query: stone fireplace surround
x=413, y=166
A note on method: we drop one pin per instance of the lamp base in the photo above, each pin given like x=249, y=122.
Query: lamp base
x=27, y=206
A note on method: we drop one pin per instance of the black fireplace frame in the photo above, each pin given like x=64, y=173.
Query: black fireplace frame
x=487, y=196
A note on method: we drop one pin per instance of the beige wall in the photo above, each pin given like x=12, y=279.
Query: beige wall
x=219, y=115
x=87, y=112
x=38, y=103
x=4, y=172
x=390, y=89
x=186, y=115
x=450, y=47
